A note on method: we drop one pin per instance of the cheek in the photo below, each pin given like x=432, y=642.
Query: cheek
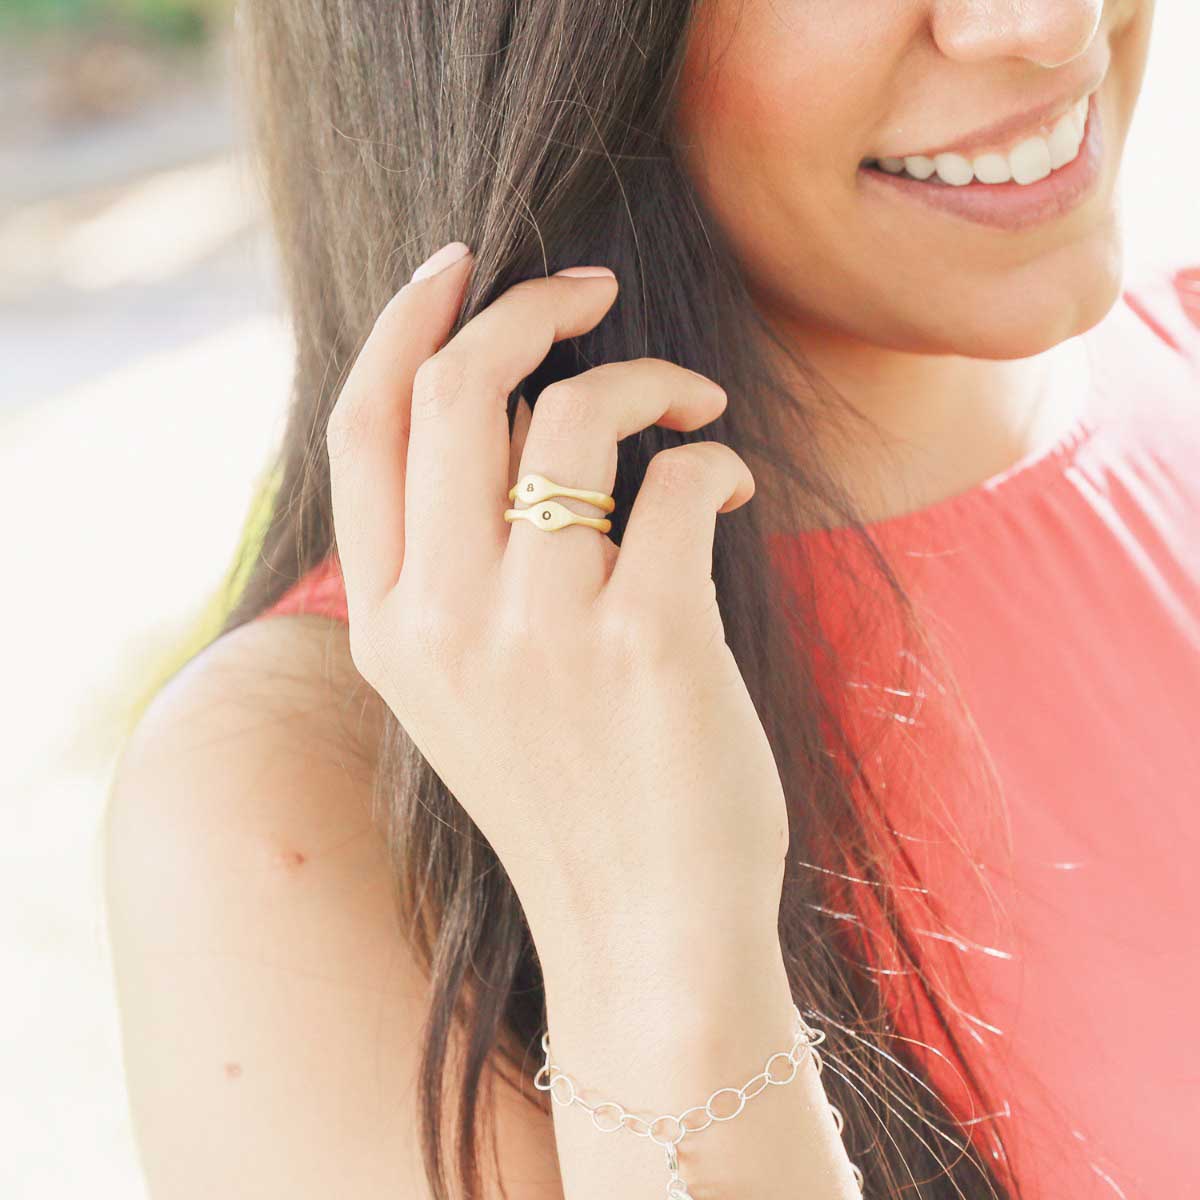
x=777, y=87
x=766, y=165
x=776, y=109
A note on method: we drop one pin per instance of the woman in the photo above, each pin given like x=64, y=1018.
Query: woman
x=880, y=709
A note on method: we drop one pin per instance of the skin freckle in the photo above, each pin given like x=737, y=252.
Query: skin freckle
x=233, y=1070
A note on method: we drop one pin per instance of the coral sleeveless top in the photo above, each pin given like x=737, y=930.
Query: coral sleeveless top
x=1065, y=595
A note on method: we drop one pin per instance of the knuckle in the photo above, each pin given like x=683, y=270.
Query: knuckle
x=679, y=469
x=635, y=634
x=438, y=383
x=564, y=405
x=724, y=454
x=514, y=630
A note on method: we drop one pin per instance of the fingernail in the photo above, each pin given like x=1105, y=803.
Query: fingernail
x=583, y=272
x=440, y=260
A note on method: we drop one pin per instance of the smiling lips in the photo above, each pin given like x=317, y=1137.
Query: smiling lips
x=1027, y=161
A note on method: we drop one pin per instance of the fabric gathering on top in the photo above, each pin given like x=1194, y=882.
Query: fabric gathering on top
x=1065, y=596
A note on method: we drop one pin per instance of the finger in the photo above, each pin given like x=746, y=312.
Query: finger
x=521, y=421
x=666, y=551
x=573, y=436
x=367, y=431
x=458, y=450
x=520, y=431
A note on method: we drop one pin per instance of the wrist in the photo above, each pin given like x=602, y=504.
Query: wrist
x=637, y=975
x=587, y=926
x=660, y=1039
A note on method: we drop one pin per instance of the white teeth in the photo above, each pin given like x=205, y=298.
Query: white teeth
x=1064, y=140
x=1029, y=161
x=954, y=169
x=992, y=168
x=919, y=167
x=1080, y=113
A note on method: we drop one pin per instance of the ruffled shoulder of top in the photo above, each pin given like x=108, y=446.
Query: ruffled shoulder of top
x=320, y=591
x=1167, y=298
x=1146, y=360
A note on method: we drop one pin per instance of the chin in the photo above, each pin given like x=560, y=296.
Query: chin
x=1041, y=306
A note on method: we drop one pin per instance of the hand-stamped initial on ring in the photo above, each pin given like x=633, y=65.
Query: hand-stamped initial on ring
x=550, y=515
x=532, y=488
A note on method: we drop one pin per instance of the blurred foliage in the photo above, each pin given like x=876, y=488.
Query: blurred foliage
x=174, y=20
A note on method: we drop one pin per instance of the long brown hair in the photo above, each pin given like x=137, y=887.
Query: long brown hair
x=538, y=131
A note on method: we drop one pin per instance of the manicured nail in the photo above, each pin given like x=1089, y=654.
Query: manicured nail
x=584, y=272
x=440, y=260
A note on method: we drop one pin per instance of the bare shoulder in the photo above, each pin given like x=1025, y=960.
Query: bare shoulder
x=271, y=1012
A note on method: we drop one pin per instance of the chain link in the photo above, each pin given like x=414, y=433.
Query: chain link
x=615, y=1116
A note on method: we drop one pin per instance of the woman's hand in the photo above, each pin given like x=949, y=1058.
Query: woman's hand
x=580, y=701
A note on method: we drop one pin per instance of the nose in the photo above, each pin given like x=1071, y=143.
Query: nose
x=1046, y=32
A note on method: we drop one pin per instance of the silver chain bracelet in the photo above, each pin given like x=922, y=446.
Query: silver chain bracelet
x=805, y=1044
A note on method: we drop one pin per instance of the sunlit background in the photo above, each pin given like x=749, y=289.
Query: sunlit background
x=144, y=370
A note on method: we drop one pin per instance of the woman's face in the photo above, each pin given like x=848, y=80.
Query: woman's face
x=786, y=103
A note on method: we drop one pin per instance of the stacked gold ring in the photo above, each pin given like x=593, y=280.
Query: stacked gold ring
x=546, y=514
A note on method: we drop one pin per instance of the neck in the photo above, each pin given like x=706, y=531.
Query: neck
x=937, y=425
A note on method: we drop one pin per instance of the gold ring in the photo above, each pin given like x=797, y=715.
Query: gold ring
x=551, y=515
x=535, y=488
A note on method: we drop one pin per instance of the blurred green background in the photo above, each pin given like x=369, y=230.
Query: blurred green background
x=189, y=20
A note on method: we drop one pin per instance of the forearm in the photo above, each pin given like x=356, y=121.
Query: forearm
x=658, y=1025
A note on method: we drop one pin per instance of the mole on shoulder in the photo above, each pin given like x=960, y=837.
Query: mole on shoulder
x=291, y=858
